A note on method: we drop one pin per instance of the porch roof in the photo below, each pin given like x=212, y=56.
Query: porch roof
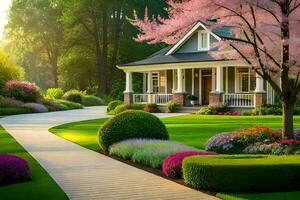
x=160, y=57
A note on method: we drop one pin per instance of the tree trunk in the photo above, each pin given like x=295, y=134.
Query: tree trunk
x=288, y=120
x=105, y=42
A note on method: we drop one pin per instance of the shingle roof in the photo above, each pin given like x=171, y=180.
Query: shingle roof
x=160, y=57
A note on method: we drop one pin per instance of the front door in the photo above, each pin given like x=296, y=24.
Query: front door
x=206, y=86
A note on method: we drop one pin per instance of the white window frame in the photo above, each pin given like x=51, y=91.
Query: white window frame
x=155, y=75
x=200, y=33
x=238, y=81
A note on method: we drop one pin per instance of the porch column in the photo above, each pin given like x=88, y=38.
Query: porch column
x=128, y=90
x=215, y=97
x=219, y=79
x=149, y=83
x=179, y=95
x=179, y=81
x=260, y=93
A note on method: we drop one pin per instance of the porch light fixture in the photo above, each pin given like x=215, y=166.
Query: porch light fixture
x=196, y=75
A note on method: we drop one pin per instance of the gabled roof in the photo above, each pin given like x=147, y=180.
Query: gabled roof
x=170, y=54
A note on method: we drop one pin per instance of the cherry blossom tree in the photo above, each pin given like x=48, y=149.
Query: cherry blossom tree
x=267, y=37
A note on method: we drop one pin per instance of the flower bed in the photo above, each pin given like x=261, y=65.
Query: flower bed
x=147, y=152
x=13, y=169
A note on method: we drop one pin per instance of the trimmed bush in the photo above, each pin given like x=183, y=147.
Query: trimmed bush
x=242, y=173
x=172, y=106
x=54, y=93
x=14, y=111
x=52, y=105
x=10, y=102
x=213, y=109
x=172, y=165
x=90, y=100
x=131, y=124
x=21, y=90
x=113, y=104
x=119, y=109
x=36, y=107
x=73, y=96
x=13, y=169
x=147, y=152
x=69, y=104
x=151, y=108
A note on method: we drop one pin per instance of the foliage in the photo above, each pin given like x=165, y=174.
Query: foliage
x=52, y=105
x=13, y=169
x=242, y=173
x=275, y=148
x=74, y=96
x=69, y=104
x=10, y=102
x=151, y=108
x=90, y=100
x=113, y=104
x=119, y=109
x=191, y=97
x=172, y=106
x=213, y=109
x=36, y=107
x=172, y=165
x=235, y=142
x=21, y=90
x=148, y=152
x=8, y=70
x=54, y=93
x=14, y=110
x=131, y=124
x=122, y=108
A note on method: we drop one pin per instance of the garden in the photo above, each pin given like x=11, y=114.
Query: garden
x=233, y=157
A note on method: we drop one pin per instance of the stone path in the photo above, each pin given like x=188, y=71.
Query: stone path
x=84, y=174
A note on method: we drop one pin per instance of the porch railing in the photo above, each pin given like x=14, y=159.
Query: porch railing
x=160, y=99
x=239, y=100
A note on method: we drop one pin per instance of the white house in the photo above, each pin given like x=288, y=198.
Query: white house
x=187, y=68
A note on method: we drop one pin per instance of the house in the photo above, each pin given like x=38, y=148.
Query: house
x=187, y=68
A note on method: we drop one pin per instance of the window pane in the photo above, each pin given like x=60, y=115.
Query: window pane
x=204, y=40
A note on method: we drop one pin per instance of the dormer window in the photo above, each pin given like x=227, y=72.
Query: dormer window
x=203, y=40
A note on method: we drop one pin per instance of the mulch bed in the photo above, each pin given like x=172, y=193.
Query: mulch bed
x=152, y=171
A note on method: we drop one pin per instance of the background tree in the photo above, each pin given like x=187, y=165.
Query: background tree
x=267, y=38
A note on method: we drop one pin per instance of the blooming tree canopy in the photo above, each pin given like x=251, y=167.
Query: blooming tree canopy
x=267, y=37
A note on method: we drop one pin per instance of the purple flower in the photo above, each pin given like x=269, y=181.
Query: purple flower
x=221, y=143
x=13, y=169
x=172, y=165
x=36, y=107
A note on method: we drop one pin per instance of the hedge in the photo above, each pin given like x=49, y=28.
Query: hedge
x=113, y=104
x=129, y=125
x=14, y=111
x=242, y=173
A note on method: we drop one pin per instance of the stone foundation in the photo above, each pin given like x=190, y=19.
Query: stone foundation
x=180, y=98
x=259, y=99
x=128, y=98
x=215, y=98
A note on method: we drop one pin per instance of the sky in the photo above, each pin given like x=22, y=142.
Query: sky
x=4, y=7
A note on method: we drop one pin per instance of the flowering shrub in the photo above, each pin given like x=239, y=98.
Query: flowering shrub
x=172, y=106
x=36, y=107
x=214, y=109
x=237, y=141
x=151, y=108
x=21, y=90
x=172, y=165
x=13, y=169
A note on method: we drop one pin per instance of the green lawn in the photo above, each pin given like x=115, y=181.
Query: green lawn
x=42, y=185
x=192, y=130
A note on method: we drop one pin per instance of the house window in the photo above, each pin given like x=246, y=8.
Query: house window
x=155, y=82
x=203, y=40
x=246, y=80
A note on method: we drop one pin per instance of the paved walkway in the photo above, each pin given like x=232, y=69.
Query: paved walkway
x=84, y=174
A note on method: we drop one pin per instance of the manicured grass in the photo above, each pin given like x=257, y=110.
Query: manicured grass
x=192, y=130
x=42, y=186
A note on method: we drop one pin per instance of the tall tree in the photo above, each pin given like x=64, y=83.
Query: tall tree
x=36, y=34
x=267, y=38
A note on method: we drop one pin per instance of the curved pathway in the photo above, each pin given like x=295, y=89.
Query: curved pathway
x=84, y=174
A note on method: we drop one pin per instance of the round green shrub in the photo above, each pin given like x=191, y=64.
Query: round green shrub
x=73, y=95
x=91, y=100
x=119, y=109
x=242, y=173
x=113, y=104
x=129, y=125
x=68, y=104
x=54, y=93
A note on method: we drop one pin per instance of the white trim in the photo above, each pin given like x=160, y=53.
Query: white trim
x=158, y=81
x=193, y=81
x=166, y=79
x=200, y=86
x=188, y=35
x=128, y=88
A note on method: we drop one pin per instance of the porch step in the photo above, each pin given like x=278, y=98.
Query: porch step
x=190, y=109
